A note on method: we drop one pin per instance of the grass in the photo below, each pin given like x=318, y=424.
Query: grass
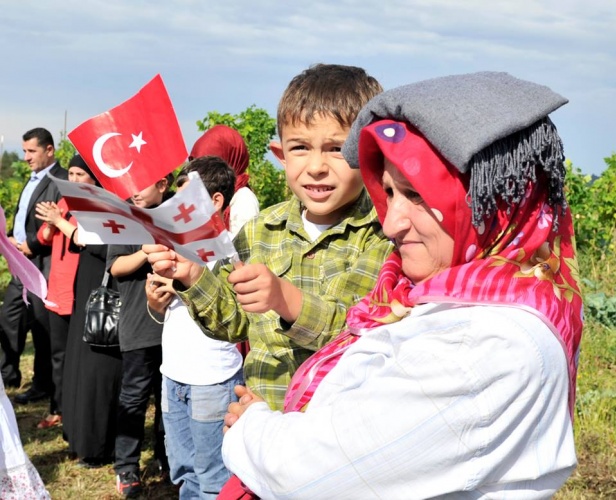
x=595, y=424
x=595, y=420
x=62, y=476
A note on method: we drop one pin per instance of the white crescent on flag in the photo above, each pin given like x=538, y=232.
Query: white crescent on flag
x=187, y=222
x=97, y=154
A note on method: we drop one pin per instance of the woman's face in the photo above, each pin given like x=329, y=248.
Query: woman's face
x=79, y=175
x=425, y=247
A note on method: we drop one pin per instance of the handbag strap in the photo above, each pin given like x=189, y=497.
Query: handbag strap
x=105, y=279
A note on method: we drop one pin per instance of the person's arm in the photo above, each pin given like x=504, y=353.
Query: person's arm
x=32, y=247
x=45, y=234
x=159, y=292
x=169, y=264
x=53, y=215
x=210, y=301
x=258, y=290
x=208, y=296
x=124, y=265
x=323, y=313
x=414, y=412
x=244, y=206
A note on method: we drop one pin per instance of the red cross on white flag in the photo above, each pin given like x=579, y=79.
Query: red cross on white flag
x=188, y=222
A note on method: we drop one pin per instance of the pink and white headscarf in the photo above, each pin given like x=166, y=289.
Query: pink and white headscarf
x=513, y=258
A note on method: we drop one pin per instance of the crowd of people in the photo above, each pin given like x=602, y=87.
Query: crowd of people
x=406, y=325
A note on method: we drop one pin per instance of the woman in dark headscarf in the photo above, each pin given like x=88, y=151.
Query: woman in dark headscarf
x=456, y=377
x=57, y=231
x=91, y=376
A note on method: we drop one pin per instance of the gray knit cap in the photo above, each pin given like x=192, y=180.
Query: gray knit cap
x=491, y=123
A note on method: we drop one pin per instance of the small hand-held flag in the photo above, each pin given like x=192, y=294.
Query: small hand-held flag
x=135, y=144
x=188, y=222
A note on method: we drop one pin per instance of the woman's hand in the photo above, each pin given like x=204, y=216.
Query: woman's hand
x=236, y=410
x=49, y=212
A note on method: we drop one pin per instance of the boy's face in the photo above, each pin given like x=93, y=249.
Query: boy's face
x=150, y=196
x=315, y=169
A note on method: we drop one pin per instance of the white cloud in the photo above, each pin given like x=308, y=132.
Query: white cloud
x=86, y=57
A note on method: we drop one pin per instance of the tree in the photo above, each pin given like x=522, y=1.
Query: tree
x=8, y=158
x=593, y=206
x=257, y=128
x=64, y=150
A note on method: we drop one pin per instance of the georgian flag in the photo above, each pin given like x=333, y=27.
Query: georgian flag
x=135, y=144
x=188, y=222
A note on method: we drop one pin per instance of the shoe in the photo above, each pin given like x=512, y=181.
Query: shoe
x=49, y=421
x=31, y=395
x=162, y=464
x=93, y=463
x=128, y=484
x=13, y=383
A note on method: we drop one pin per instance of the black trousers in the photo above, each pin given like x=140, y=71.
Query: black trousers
x=140, y=376
x=58, y=334
x=16, y=318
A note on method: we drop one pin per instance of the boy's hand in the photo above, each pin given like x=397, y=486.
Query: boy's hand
x=258, y=290
x=168, y=264
x=236, y=410
x=159, y=292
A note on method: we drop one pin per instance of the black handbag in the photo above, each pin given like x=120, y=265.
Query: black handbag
x=102, y=316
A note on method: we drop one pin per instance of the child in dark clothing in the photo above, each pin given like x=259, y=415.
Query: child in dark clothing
x=140, y=343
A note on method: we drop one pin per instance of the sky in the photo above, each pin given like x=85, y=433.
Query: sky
x=63, y=62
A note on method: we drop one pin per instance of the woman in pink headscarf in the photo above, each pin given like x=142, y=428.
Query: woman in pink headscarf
x=456, y=376
x=228, y=144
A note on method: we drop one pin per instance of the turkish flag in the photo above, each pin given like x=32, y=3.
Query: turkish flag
x=135, y=144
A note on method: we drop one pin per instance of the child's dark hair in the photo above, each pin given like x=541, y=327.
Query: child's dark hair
x=326, y=89
x=170, y=179
x=216, y=174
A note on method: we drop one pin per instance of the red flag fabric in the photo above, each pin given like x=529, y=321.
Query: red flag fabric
x=135, y=144
x=187, y=222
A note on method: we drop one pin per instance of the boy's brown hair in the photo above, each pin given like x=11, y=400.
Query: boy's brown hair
x=326, y=89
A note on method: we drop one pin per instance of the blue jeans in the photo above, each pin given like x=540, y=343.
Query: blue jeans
x=193, y=416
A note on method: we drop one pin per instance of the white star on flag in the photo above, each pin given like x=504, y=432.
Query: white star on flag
x=187, y=222
x=137, y=142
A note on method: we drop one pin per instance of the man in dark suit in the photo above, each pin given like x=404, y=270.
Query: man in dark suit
x=16, y=317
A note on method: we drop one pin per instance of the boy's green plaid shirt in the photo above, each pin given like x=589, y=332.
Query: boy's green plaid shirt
x=333, y=272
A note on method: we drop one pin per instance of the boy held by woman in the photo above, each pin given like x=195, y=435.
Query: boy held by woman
x=306, y=260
